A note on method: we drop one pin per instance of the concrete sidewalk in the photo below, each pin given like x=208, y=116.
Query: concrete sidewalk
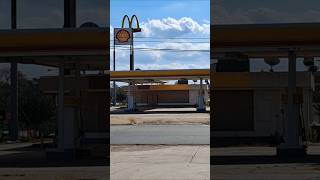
x=261, y=163
x=160, y=116
x=159, y=162
x=55, y=173
x=26, y=161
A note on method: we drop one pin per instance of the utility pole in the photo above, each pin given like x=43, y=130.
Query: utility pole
x=69, y=13
x=13, y=125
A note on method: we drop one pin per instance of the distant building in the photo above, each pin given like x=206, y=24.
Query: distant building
x=179, y=95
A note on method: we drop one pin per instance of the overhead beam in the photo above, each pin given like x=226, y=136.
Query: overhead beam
x=161, y=74
x=53, y=42
x=261, y=40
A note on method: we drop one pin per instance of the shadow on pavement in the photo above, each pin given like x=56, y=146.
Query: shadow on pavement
x=32, y=156
x=262, y=159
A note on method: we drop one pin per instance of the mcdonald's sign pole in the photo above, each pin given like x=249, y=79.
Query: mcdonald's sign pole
x=131, y=56
x=124, y=36
x=134, y=30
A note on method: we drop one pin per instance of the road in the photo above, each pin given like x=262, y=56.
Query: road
x=160, y=134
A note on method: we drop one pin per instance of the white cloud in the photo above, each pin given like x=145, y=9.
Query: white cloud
x=163, y=59
x=262, y=15
x=174, y=65
x=173, y=27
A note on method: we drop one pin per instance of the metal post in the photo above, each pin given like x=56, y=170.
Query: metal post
x=78, y=123
x=69, y=13
x=13, y=14
x=114, y=100
x=61, y=107
x=14, y=132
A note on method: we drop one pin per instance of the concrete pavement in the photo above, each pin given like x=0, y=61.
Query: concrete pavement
x=160, y=134
x=160, y=162
x=261, y=163
x=55, y=173
x=22, y=161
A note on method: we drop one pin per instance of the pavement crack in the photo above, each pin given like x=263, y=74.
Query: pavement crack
x=194, y=154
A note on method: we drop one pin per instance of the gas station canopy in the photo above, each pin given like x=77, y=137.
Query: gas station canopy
x=160, y=74
x=263, y=40
x=49, y=47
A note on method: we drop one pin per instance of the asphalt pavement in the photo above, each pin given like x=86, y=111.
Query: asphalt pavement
x=160, y=134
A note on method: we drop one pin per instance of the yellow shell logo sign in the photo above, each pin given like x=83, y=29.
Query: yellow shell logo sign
x=123, y=36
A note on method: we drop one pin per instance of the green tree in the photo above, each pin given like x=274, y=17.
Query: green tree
x=121, y=95
x=36, y=111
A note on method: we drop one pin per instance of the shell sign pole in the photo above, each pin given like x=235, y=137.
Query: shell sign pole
x=124, y=36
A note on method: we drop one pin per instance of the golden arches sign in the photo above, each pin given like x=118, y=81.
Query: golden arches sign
x=134, y=17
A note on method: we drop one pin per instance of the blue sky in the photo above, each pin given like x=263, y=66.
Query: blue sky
x=179, y=20
x=157, y=9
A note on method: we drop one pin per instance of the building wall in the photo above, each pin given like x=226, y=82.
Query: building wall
x=233, y=111
x=268, y=103
x=267, y=112
x=166, y=95
x=94, y=98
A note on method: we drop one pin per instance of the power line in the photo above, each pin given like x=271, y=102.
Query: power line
x=167, y=49
x=182, y=42
x=176, y=42
x=176, y=38
x=150, y=37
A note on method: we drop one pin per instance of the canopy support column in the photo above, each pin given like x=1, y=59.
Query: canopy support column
x=293, y=145
x=130, y=97
x=61, y=108
x=13, y=123
x=201, y=105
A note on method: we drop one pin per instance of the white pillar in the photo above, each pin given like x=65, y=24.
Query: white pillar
x=130, y=97
x=201, y=105
x=292, y=146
